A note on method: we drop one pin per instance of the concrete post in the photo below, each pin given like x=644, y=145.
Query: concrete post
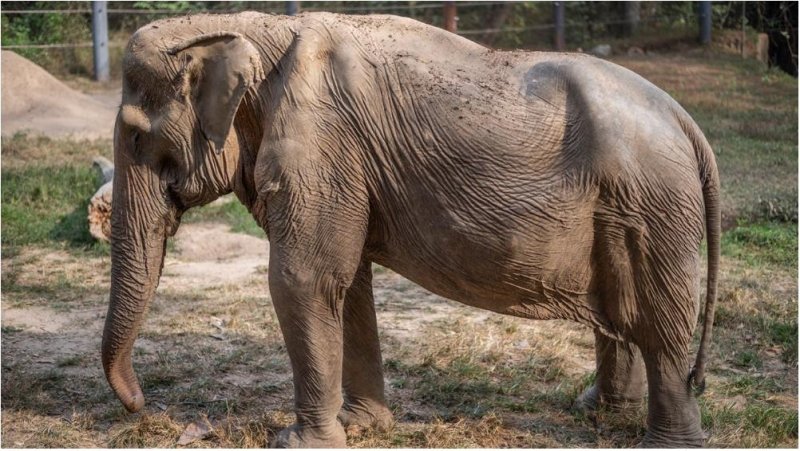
x=292, y=7
x=558, y=33
x=705, y=23
x=100, y=40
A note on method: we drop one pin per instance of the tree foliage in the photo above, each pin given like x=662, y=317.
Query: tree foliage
x=50, y=28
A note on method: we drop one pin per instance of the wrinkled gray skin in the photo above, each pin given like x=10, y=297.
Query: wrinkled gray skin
x=540, y=185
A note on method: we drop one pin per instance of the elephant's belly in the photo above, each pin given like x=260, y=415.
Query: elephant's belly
x=544, y=277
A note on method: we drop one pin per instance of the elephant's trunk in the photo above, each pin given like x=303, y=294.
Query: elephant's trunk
x=131, y=291
x=140, y=221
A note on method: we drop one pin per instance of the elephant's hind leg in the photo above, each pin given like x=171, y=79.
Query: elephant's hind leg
x=620, y=369
x=362, y=371
x=620, y=378
x=664, y=336
x=649, y=269
x=673, y=417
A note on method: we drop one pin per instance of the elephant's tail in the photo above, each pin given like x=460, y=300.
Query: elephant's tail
x=710, y=179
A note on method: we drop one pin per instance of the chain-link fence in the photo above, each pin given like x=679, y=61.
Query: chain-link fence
x=58, y=36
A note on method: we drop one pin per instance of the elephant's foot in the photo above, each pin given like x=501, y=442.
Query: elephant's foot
x=592, y=399
x=367, y=415
x=681, y=429
x=297, y=436
x=588, y=400
x=653, y=440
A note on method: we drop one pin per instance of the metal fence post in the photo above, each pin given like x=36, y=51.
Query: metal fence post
x=705, y=23
x=744, y=36
x=450, y=16
x=292, y=7
x=100, y=40
x=558, y=36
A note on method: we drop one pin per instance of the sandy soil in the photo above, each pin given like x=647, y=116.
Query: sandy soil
x=210, y=255
x=37, y=103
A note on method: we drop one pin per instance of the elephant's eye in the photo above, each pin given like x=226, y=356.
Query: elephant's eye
x=135, y=140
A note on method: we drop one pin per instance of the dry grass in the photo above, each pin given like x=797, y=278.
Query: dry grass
x=146, y=431
x=21, y=151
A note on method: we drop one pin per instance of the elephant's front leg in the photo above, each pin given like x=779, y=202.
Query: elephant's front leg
x=364, y=401
x=309, y=309
x=317, y=233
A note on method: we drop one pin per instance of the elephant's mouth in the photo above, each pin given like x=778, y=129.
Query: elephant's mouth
x=172, y=227
x=178, y=207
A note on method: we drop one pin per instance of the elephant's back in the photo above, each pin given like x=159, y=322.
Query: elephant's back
x=383, y=35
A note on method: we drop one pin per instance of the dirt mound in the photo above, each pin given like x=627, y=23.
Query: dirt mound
x=36, y=102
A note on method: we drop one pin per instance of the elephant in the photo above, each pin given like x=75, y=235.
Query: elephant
x=534, y=184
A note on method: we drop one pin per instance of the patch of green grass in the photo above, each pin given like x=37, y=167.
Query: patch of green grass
x=7, y=330
x=748, y=359
x=771, y=325
x=73, y=360
x=232, y=213
x=44, y=204
x=777, y=422
x=459, y=386
x=756, y=425
x=760, y=243
x=752, y=386
x=470, y=385
x=784, y=334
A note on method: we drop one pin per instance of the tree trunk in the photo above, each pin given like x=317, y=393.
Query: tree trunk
x=632, y=17
x=100, y=204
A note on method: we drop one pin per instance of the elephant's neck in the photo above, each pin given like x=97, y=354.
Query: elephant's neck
x=273, y=38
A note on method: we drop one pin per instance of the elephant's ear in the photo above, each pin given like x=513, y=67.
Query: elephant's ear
x=217, y=71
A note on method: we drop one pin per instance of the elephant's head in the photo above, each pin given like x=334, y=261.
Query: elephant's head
x=180, y=97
